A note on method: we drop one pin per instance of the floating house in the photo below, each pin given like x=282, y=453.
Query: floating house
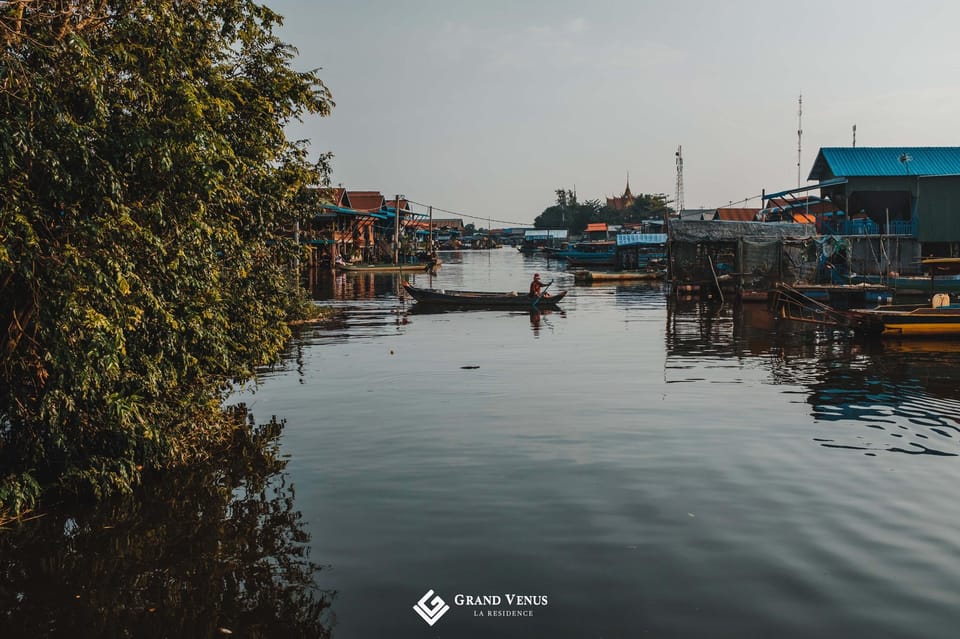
x=734, y=258
x=892, y=205
x=357, y=225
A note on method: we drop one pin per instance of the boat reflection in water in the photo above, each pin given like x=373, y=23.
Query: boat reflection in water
x=890, y=397
x=538, y=318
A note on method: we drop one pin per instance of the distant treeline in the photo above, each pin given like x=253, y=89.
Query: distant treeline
x=570, y=214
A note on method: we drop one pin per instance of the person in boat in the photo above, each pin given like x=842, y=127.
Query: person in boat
x=536, y=287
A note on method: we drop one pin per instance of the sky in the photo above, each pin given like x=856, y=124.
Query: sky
x=484, y=108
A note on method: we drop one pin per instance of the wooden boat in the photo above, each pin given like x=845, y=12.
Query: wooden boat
x=481, y=299
x=589, y=253
x=414, y=267
x=908, y=320
x=937, y=319
x=588, y=277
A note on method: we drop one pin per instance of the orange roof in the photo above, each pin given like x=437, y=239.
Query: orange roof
x=365, y=200
x=737, y=215
x=804, y=218
x=597, y=226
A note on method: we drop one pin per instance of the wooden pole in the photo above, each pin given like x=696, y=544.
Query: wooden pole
x=296, y=242
x=396, y=230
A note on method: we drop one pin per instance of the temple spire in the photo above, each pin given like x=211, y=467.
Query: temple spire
x=627, y=192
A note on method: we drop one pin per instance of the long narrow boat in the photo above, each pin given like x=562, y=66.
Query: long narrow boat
x=907, y=320
x=589, y=253
x=939, y=318
x=418, y=267
x=480, y=299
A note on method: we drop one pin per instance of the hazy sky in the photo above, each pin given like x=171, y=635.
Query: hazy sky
x=486, y=107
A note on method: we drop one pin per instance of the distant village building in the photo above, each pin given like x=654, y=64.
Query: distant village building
x=623, y=202
x=697, y=214
x=731, y=214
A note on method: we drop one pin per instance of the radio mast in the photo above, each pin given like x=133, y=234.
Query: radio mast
x=799, y=138
x=679, y=197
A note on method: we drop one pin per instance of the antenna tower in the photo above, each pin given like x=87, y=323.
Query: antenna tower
x=679, y=197
x=799, y=138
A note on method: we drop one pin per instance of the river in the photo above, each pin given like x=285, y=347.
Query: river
x=630, y=465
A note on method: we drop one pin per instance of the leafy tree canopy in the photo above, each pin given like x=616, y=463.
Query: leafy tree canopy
x=147, y=179
x=570, y=214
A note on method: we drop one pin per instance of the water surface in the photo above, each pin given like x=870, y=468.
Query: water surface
x=655, y=467
x=635, y=464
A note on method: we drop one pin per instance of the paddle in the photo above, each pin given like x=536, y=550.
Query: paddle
x=543, y=291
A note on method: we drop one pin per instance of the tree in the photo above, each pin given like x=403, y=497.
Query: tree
x=143, y=266
x=644, y=207
x=567, y=213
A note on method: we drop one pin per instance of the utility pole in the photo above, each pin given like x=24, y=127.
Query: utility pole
x=679, y=195
x=854, y=136
x=396, y=230
x=799, y=138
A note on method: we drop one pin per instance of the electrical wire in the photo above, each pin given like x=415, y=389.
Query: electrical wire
x=512, y=223
x=472, y=217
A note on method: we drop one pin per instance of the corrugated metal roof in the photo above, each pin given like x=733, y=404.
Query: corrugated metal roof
x=737, y=215
x=810, y=187
x=890, y=161
x=539, y=234
x=630, y=239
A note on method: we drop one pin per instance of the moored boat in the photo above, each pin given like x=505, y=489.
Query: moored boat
x=481, y=299
x=588, y=277
x=589, y=253
x=908, y=320
x=940, y=317
x=414, y=267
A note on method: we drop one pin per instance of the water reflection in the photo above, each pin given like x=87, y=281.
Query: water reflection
x=330, y=286
x=905, y=394
x=213, y=552
x=899, y=397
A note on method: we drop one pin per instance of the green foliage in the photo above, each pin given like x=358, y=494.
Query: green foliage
x=570, y=214
x=143, y=266
x=644, y=207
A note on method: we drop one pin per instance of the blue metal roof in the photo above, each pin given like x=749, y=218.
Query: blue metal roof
x=632, y=239
x=811, y=187
x=545, y=234
x=339, y=209
x=890, y=161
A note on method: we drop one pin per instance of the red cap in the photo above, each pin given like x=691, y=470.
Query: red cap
x=536, y=275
